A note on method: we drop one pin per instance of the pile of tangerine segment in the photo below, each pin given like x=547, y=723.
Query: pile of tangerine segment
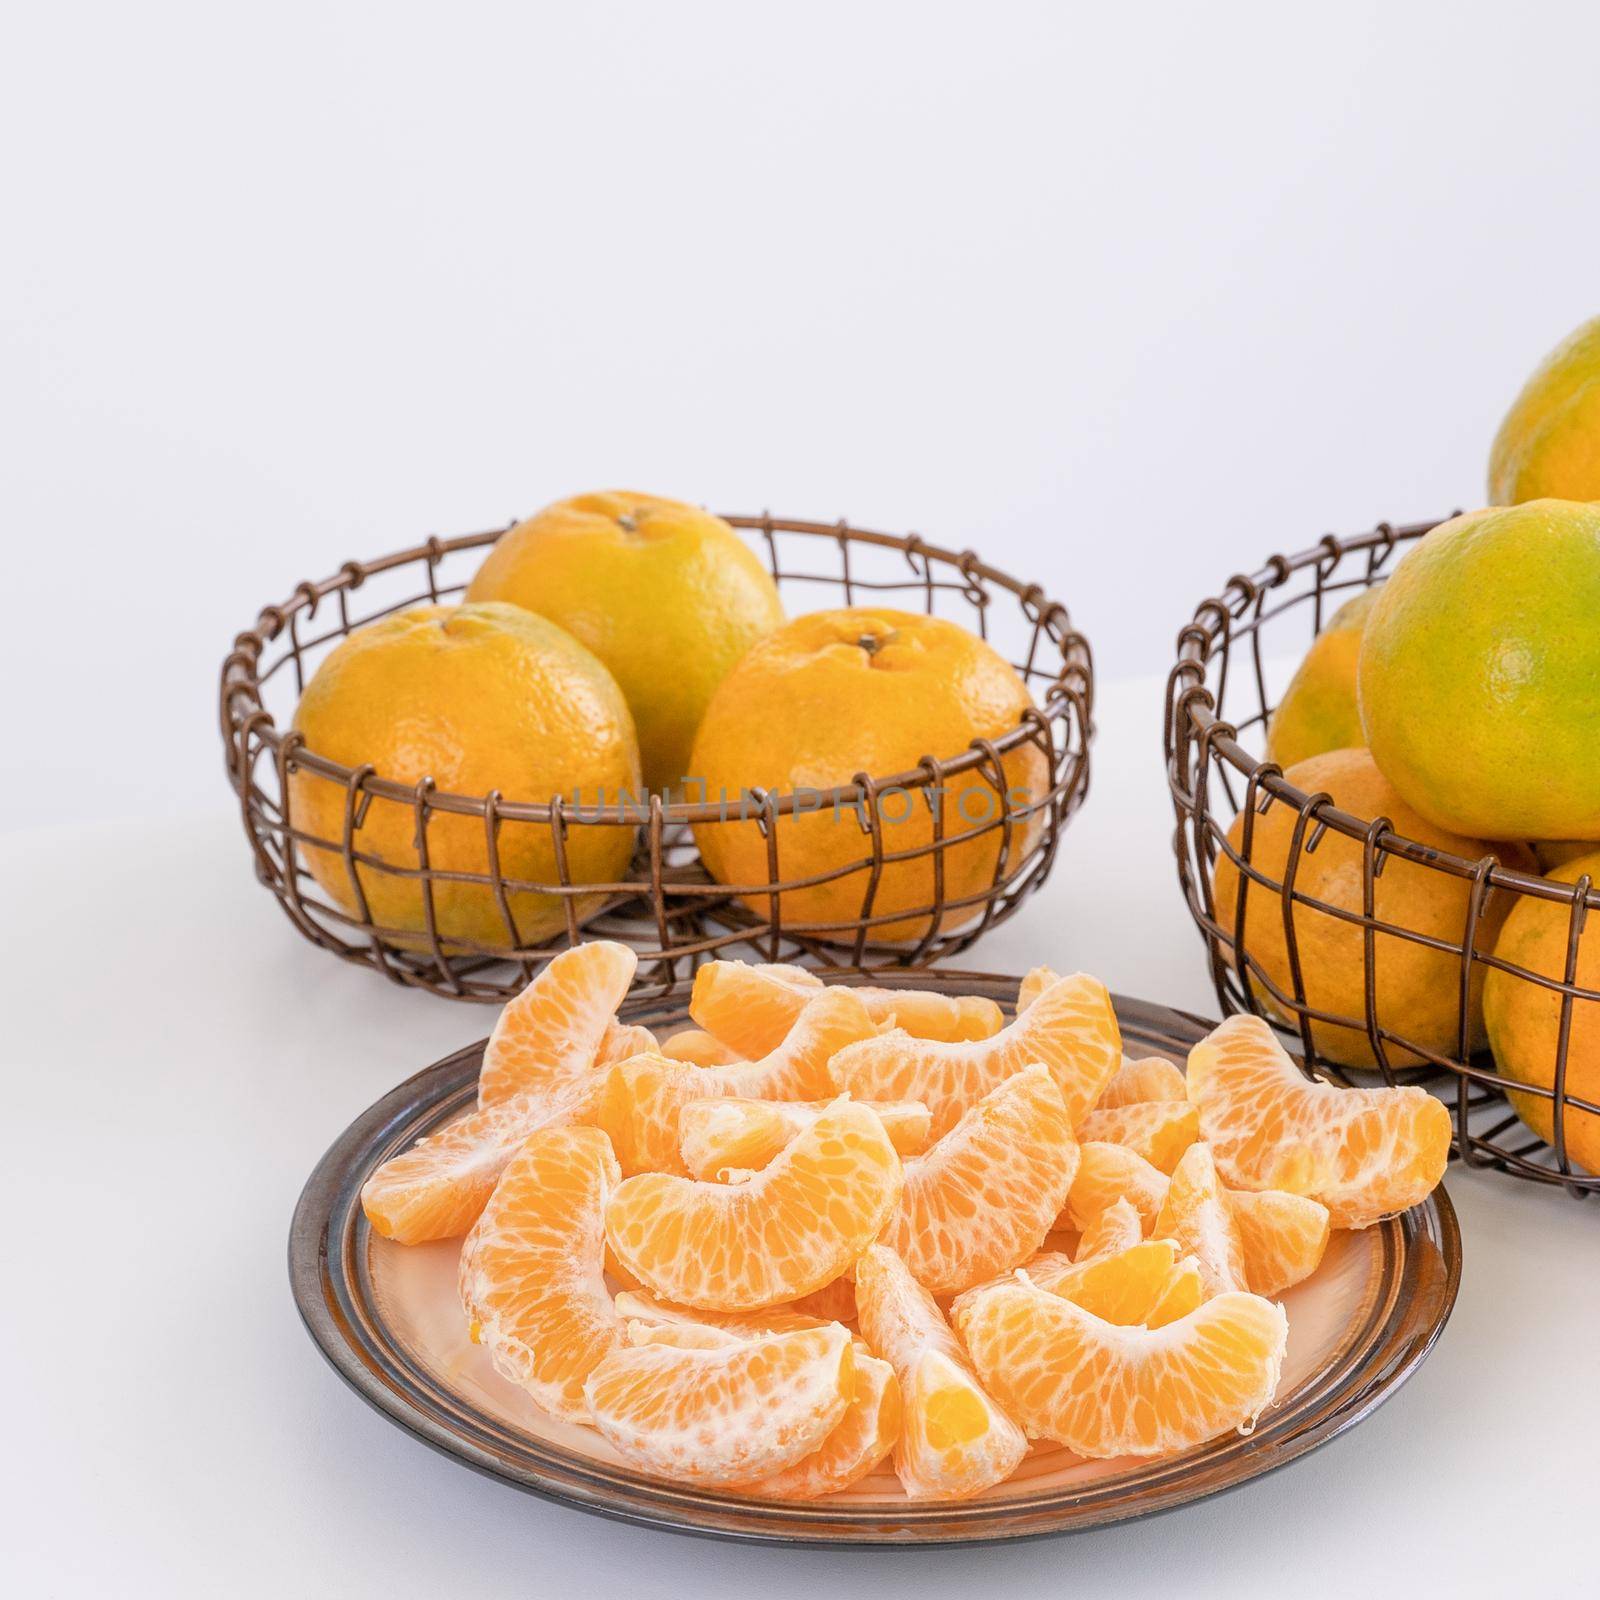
x=828, y=1209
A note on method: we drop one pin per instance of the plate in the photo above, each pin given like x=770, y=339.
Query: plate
x=387, y=1318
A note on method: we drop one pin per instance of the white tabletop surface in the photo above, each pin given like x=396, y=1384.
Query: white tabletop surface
x=177, y=1058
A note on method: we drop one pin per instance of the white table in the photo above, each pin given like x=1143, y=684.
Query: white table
x=170, y=1429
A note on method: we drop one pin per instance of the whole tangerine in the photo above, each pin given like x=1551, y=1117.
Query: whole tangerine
x=477, y=698
x=1524, y=1017
x=866, y=690
x=664, y=593
x=1479, y=677
x=1318, y=711
x=1417, y=986
x=1549, y=443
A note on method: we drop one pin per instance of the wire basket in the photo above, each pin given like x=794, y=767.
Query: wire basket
x=1221, y=692
x=666, y=906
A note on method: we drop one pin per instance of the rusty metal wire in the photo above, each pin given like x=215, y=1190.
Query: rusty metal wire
x=1218, y=703
x=666, y=905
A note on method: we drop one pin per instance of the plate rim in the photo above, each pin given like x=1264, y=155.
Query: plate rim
x=325, y=1295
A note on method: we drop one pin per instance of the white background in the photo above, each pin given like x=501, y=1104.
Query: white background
x=1124, y=297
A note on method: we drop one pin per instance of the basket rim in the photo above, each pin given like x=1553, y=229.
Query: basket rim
x=1191, y=709
x=245, y=716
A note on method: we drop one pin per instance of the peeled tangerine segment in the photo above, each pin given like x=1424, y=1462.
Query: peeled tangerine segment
x=1033, y=985
x=951, y=1018
x=750, y=1007
x=621, y=1040
x=1196, y=1214
x=438, y=1188
x=699, y=1047
x=1117, y=1228
x=532, y=1272
x=1185, y=1289
x=549, y=1036
x=634, y=1305
x=833, y=1302
x=1283, y=1237
x=785, y=1232
x=954, y=1440
x=1103, y=1390
x=645, y=1097
x=723, y=1409
x=1158, y=1130
x=722, y=1135
x=1152, y=1078
x=1106, y=1174
x=1123, y=1287
x=983, y=1198
x=545, y=1065
x=863, y=1436
x=1364, y=1153
x=1070, y=1029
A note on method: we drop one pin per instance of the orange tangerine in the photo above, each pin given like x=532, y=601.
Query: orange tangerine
x=720, y=1137
x=1196, y=1214
x=784, y=1232
x=638, y=1305
x=951, y=1018
x=700, y=1048
x=1158, y=1130
x=833, y=1302
x=954, y=1440
x=621, y=1040
x=1108, y=1173
x=865, y=689
x=1070, y=1028
x=1117, y=1228
x=644, y=1097
x=1103, y=1390
x=473, y=700
x=750, y=1008
x=548, y=1037
x=642, y=581
x=1364, y=1153
x=1185, y=1289
x=1033, y=985
x=1283, y=1237
x=532, y=1272
x=1151, y=1078
x=752, y=1210
x=438, y=1188
x=862, y=1438
x=1122, y=1287
x=702, y=1406
x=1523, y=1016
x=539, y=1070
x=984, y=1196
x=619, y=1274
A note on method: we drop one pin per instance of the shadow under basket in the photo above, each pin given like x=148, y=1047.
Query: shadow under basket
x=666, y=906
x=1220, y=696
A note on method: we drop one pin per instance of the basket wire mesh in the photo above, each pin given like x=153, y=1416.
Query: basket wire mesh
x=666, y=905
x=1220, y=696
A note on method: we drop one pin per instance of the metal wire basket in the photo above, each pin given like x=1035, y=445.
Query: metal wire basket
x=666, y=906
x=1220, y=695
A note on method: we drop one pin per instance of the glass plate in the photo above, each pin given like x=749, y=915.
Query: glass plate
x=387, y=1318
